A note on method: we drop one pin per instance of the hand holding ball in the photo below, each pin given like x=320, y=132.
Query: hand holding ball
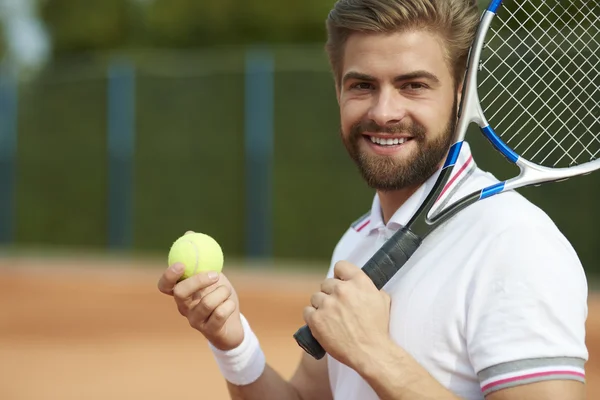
x=198, y=252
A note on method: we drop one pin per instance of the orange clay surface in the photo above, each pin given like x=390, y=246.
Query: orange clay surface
x=74, y=329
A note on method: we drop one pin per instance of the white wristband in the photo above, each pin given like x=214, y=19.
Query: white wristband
x=244, y=364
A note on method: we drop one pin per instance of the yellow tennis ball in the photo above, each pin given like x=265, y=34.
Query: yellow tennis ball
x=198, y=252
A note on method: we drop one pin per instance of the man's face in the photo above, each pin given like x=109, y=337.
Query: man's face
x=397, y=107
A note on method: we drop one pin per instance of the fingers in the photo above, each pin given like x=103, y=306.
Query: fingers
x=220, y=315
x=345, y=271
x=329, y=285
x=203, y=292
x=212, y=310
x=205, y=305
x=307, y=314
x=318, y=300
x=186, y=289
x=168, y=280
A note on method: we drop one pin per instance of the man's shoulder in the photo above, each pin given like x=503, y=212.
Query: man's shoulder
x=507, y=210
x=518, y=237
x=508, y=223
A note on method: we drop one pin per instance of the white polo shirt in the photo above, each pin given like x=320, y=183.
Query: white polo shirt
x=494, y=298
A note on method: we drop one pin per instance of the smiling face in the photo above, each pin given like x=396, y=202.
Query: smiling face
x=398, y=102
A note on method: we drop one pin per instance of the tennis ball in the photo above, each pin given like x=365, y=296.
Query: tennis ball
x=198, y=252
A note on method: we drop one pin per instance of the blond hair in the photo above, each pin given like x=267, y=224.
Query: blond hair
x=454, y=20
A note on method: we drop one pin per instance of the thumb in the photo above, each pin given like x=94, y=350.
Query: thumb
x=345, y=271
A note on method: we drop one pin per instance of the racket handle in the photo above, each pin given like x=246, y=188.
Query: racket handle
x=308, y=343
x=391, y=257
x=380, y=269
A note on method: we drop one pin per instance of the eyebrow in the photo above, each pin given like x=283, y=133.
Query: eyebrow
x=404, y=77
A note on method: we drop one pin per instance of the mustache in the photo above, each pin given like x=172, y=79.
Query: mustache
x=417, y=131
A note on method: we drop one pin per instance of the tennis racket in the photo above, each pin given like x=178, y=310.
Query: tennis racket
x=532, y=86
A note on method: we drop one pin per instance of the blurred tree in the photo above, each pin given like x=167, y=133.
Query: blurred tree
x=82, y=25
x=189, y=23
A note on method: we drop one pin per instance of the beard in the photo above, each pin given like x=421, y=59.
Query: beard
x=387, y=173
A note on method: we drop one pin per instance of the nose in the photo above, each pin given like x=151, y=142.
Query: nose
x=388, y=107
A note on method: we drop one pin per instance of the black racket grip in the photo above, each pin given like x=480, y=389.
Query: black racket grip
x=308, y=343
x=380, y=269
x=391, y=257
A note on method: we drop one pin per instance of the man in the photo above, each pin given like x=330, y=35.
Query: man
x=493, y=304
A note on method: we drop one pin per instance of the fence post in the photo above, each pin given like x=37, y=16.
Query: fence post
x=259, y=134
x=121, y=148
x=8, y=156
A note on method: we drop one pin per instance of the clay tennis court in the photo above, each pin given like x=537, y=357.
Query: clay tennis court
x=81, y=329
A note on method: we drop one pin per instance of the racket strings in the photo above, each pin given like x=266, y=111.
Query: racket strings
x=540, y=97
x=540, y=80
x=567, y=106
x=554, y=114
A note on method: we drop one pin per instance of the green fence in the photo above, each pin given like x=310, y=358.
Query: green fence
x=189, y=159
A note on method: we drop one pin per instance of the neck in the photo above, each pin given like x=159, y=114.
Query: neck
x=393, y=200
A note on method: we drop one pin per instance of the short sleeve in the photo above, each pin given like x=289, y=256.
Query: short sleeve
x=527, y=307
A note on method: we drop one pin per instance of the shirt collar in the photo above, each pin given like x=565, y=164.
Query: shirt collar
x=374, y=222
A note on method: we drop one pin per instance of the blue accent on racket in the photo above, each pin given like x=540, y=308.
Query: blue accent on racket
x=453, y=155
x=494, y=6
x=492, y=190
x=499, y=144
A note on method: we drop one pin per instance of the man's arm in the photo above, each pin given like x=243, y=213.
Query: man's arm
x=210, y=304
x=309, y=382
x=350, y=319
x=395, y=375
x=549, y=390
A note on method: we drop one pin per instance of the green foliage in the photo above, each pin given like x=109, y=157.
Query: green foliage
x=84, y=25
x=187, y=23
x=91, y=25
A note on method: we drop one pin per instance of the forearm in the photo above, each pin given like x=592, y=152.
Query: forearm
x=270, y=386
x=395, y=375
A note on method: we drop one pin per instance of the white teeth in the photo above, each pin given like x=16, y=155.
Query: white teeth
x=388, y=142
